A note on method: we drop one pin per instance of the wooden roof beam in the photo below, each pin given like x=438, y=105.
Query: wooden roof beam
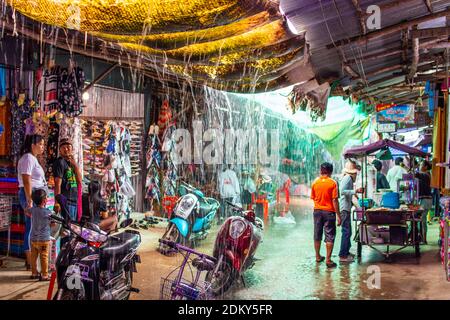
x=415, y=60
x=429, y=5
x=388, y=30
x=384, y=70
x=431, y=32
x=361, y=16
x=378, y=55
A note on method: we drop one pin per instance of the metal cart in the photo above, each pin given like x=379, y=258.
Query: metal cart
x=393, y=227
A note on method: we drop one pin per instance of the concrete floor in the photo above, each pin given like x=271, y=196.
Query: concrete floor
x=287, y=269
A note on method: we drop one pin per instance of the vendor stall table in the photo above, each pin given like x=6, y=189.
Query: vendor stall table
x=381, y=227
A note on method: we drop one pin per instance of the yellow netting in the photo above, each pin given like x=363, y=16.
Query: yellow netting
x=257, y=38
x=131, y=16
x=242, y=72
x=178, y=39
x=237, y=45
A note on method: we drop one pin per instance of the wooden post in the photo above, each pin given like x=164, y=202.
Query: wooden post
x=415, y=60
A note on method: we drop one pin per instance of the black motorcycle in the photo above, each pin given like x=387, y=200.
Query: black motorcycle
x=94, y=265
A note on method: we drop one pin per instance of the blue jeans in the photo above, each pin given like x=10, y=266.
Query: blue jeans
x=346, y=225
x=23, y=204
x=73, y=212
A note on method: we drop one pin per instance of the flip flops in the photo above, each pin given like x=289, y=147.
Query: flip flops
x=320, y=260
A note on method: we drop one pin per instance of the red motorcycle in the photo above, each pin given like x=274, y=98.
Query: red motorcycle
x=234, y=249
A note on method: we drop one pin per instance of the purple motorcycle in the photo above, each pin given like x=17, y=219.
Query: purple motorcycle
x=187, y=285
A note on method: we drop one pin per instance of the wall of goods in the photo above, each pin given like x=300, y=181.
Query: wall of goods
x=106, y=134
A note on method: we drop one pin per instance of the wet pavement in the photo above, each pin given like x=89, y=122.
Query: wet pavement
x=287, y=269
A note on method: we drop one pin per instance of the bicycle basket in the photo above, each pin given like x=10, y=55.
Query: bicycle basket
x=184, y=290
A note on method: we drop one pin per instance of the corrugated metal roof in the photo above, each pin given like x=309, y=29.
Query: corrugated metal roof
x=327, y=21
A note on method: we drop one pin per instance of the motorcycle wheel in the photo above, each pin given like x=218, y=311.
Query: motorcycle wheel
x=172, y=234
x=129, y=281
x=70, y=295
x=222, y=280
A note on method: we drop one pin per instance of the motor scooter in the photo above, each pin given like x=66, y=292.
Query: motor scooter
x=234, y=248
x=191, y=218
x=93, y=264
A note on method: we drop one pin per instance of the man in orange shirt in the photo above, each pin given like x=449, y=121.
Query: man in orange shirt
x=324, y=192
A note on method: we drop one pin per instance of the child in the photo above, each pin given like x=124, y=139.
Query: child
x=40, y=234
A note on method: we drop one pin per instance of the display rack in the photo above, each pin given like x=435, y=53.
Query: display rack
x=5, y=218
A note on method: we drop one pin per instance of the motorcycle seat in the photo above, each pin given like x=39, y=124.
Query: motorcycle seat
x=203, y=264
x=118, y=248
x=206, y=208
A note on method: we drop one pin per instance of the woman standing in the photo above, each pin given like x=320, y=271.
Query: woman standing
x=31, y=176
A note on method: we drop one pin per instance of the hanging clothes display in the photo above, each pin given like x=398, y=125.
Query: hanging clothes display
x=61, y=89
x=48, y=87
x=52, y=149
x=170, y=176
x=112, y=153
x=153, y=157
x=70, y=93
x=19, y=112
x=5, y=127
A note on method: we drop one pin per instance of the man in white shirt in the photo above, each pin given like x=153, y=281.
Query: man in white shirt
x=396, y=173
x=229, y=190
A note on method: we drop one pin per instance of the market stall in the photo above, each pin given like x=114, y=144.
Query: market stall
x=387, y=222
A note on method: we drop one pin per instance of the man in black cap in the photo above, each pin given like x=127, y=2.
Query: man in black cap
x=67, y=177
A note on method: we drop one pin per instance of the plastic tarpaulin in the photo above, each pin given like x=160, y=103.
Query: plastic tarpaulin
x=336, y=136
x=362, y=151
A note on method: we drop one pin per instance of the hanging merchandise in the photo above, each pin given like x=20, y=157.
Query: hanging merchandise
x=153, y=153
x=110, y=154
x=20, y=112
x=71, y=88
x=153, y=157
x=136, y=131
x=5, y=126
x=48, y=86
x=165, y=117
x=60, y=89
x=170, y=176
x=52, y=149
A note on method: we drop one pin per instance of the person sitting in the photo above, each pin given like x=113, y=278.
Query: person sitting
x=95, y=209
x=382, y=182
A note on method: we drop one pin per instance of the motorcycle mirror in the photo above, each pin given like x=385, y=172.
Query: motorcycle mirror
x=126, y=223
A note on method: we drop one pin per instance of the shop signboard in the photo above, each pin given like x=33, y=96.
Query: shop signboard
x=399, y=114
x=383, y=106
x=386, y=127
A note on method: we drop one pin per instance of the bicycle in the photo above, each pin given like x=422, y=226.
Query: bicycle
x=180, y=288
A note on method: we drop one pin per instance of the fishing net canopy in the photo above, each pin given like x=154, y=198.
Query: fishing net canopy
x=233, y=45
